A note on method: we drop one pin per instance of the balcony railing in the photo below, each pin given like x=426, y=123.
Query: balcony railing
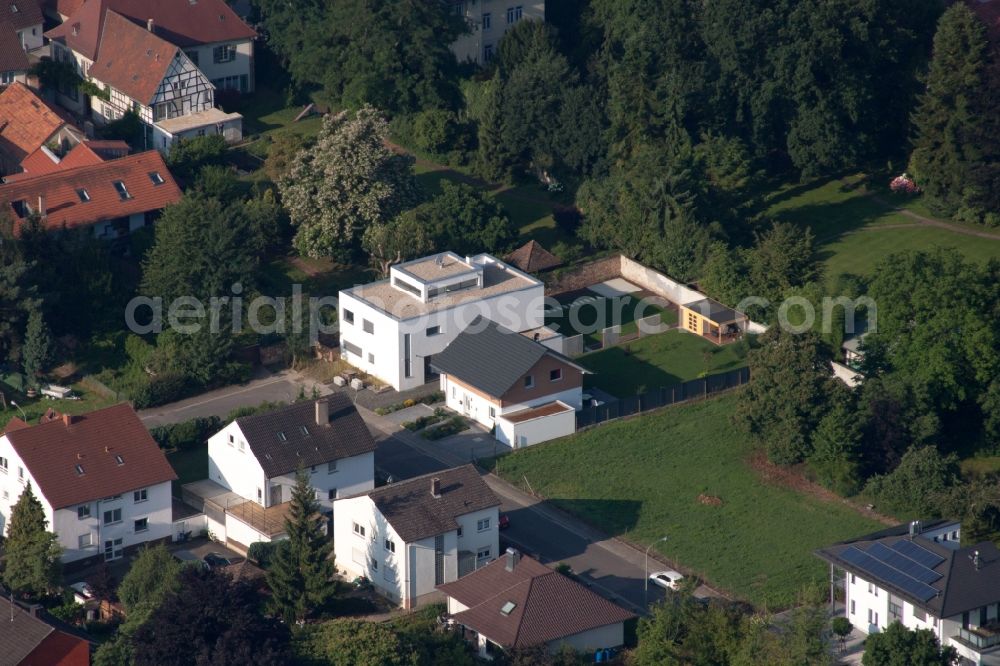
x=980, y=639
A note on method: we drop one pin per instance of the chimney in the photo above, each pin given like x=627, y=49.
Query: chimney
x=150, y=26
x=68, y=419
x=435, y=487
x=513, y=557
x=41, y=205
x=322, y=412
x=33, y=609
x=915, y=528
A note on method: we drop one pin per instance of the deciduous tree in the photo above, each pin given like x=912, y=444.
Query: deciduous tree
x=897, y=645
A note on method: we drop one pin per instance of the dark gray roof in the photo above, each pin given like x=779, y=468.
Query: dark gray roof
x=415, y=513
x=20, y=637
x=280, y=444
x=492, y=358
x=715, y=311
x=961, y=587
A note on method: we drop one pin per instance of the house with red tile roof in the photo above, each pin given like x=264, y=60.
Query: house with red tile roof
x=518, y=602
x=138, y=70
x=29, y=638
x=113, y=198
x=103, y=482
x=27, y=123
x=25, y=17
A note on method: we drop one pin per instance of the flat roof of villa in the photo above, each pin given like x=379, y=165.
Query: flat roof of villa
x=402, y=305
x=428, y=269
x=196, y=120
x=548, y=409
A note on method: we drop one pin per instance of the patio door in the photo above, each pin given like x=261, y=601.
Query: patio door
x=112, y=549
x=275, y=495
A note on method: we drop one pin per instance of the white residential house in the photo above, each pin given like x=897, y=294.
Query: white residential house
x=137, y=70
x=102, y=480
x=390, y=329
x=488, y=21
x=516, y=602
x=920, y=575
x=252, y=464
x=25, y=17
x=409, y=537
x=526, y=391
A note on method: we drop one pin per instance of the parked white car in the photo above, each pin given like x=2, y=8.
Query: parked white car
x=668, y=579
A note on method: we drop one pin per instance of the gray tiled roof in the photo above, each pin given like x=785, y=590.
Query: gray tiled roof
x=491, y=358
x=280, y=444
x=20, y=633
x=416, y=514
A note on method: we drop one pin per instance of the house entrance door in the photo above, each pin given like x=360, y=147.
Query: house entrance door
x=467, y=405
x=112, y=549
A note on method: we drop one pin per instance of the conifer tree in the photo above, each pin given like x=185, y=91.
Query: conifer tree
x=33, y=564
x=301, y=576
x=37, y=352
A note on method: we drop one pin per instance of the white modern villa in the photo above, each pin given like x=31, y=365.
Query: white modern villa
x=390, y=329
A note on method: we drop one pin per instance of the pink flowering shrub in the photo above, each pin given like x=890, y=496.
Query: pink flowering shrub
x=904, y=184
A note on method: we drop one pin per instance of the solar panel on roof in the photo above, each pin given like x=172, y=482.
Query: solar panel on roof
x=918, y=553
x=884, y=572
x=897, y=560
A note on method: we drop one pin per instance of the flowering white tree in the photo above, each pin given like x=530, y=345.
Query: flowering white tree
x=348, y=181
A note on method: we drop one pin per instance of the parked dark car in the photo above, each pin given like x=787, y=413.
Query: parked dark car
x=217, y=560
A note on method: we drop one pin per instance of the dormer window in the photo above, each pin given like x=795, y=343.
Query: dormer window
x=79, y=470
x=156, y=178
x=13, y=8
x=305, y=430
x=119, y=460
x=282, y=437
x=83, y=194
x=122, y=190
x=508, y=608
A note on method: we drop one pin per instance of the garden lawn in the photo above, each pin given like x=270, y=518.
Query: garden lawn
x=642, y=478
x=855, y=231
x=659, y=360
x=33, y=408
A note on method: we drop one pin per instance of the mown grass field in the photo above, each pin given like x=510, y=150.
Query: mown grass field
x=659, y=360
x=642, y=478
x=854, y=230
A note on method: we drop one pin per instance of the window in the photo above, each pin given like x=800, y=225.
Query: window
x=852, y=606
x=192, y=56
x=507, y=608
x=20, y=472
x=141, y=525
x=140, y=496
x=112, y=517
x=390, y=545
x=954, y=536
x=487, y=21
x=331, y=467
x=371, y=358
x=260, y=495
x=374, y=564
x=8, y=77
x=224, y=53
x=406, y=286
x=305, y=432
x=555, y=375
x=854, y=579
x=331, y=494
x=6, y=495
x=122, y=190
x=282, y=436
x=449, y=288
x=83, y=511
x=351, y=348
x=79, y=470
x=83, y=195
x=367, y=326
x=483, y=554
x=119, y=460
x=85, y=540
x=3, y=464
x=13, y=8
x=870, y=616
x=348, y=316
x=231, y=440
x=359, y=530
x=895, y=611
x=493, y=412
x=156, y=178
x=529, y=382
x=433, y=330
x=407, y=364
x=482, y=524
x=459, y=531
x=241, y=444
x=514, y=14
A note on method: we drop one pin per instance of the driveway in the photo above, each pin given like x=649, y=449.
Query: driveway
x=282, y=386
x=611, y=568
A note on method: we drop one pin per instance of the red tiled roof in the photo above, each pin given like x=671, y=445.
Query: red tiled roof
x=21, y=13
x=532, y=257
x=62, y=7
x=41, y=162
x=181, y=22
x=136, y=60
x=59, y=649
x=108, y=148
x=63, y=206
x=26, y=121
x=12, y=55
x=51, y=451
x=15, y=424
x=547, y=605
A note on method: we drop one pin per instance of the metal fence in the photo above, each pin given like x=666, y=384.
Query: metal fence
x=662, y=397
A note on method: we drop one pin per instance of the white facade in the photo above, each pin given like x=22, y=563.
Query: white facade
x=30, y=37
x=488, y=21
x=405, y=572
x=488, y=410
x=393, y=338
x=232, y=464
x=105, y=525
x=519, y=434
x=228, y=65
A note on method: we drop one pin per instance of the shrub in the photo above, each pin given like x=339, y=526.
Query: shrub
x=261, y=552
x=452, y=426
x=159, y=390
x=186, y=434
